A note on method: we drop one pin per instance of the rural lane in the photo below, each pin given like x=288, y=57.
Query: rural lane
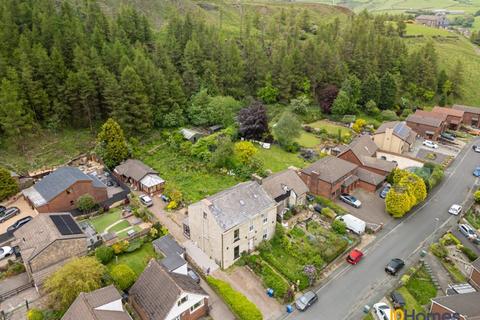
x=344, y=294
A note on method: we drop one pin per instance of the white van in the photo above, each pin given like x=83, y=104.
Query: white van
x=353, y=223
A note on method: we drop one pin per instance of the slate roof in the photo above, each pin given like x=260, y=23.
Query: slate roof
x=57, y=182
x=39, y=233
x=240, y=203
x=369, y=176
x=91, y=306
x=362, y=146
x=468, y=109
x=277, y=183
x=466, y=304
x=449, y=111
x=429, y=121
x=135, y=169
x=157, y=290
x=331, y=169
x=173, y=262
x=376, y=163
x=476, y=264
x=168, y=246
x=400, y=130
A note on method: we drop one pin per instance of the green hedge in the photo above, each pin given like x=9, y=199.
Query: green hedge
x=471, y=255
x=269, y=277
x=332, y=205
x=243, y=308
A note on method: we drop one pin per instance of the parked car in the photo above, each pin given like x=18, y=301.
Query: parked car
x=430, y=144
x=5, y=252
x=310, y=197
x=382, y=310
x=353, y=223
x=192, y=274
x=394, y=266
x=476, y=172
x=164, y=198
x=17, y=225
x=397, y=300
x=306, y=300
x=383, y=193
x=455, y=209
x=467, y=231
x=354, y=256
x=146, y=200
x=9, y=213
x=2, y=209
x=318, y=208
x=351, y=200
x=476, y=148
x=447, y=136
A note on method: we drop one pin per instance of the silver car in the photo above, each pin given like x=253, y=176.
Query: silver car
x=467, y=231
x=146, y=200
x=5, y=252
x=305, y=301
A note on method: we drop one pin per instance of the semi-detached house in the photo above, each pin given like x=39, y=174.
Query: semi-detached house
x=232, y=221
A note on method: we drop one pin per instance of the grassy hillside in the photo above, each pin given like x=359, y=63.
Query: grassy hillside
x=449, y=51
x=227, y=13
x=402, y=5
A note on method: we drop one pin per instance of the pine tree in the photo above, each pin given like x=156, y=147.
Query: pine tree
x=111, y=144
x=457, y=79
x=370, y=89
x=388, y=93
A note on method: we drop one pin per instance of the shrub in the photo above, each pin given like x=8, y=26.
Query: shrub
x=172, y=205
x=438, y=250
x=388, y=115
x=243, y=308
x=449, y=239
x=398, y=202
x=476, y=196
x=339, y=227
x=471, y=255
x=8, y=185
x=14, y=268
x=120, y=246
x=85, y=203
x=269, y=277
x=329, y=213
x=104, y=254
x=35, y=314
x=134, y=245
x=123, y=276
x=329, y=203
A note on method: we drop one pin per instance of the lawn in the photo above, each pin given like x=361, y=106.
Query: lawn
x=101, y=222
x=277, y=159
x=421, y=286
x=410, y=302
x=136, y=260
x=124, y=234
x=330, y=127
x=194, y=179
x=418, y=29
x=308, y=140
x=46, y=150
x=119, y=226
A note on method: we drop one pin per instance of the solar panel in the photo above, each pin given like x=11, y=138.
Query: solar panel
x=65, y=224
x=401, y=129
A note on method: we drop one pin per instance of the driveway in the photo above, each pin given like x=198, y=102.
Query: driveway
x=25, y=210
x=467, y=243
x=372, y=209
x=344, y=294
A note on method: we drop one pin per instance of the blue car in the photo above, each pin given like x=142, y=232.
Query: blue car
x=383, y=193
x=476, y=172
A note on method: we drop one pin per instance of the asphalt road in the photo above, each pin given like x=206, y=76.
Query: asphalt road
x=344, y=294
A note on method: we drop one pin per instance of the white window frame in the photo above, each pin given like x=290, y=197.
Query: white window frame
x=265, y=234
x=251, y=227
x=182, y=301
x=200, y=304
x=264, y=218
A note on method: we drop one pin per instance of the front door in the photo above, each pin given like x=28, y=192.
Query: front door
x=250, y=245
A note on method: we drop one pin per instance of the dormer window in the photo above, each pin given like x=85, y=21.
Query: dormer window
x=182, y=301
x=69, y=191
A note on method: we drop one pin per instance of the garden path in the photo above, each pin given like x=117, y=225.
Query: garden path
x=114, y=224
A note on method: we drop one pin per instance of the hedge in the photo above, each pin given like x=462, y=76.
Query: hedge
x=243, y=308
x=471, y=255
x=269, y=277
x=332, y=205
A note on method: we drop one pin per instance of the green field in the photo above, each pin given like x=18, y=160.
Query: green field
x=418, y=29
x=276, y=159
x=46, y=150
x=330, y=127
x=308, y=140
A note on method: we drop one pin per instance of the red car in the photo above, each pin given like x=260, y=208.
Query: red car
x=355, y=256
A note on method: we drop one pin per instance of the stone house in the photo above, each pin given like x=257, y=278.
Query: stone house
x=395, y=137
x=232, y=221
x=454, y=116
x=286, y=188
x=471, y=115
x=59, y=190
x=435, y=21
x=140, y=176
x=161, y=295
x=47, y=242
x=101, y=304
x=463, y=306
x=475, y=274
x=427, y=124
